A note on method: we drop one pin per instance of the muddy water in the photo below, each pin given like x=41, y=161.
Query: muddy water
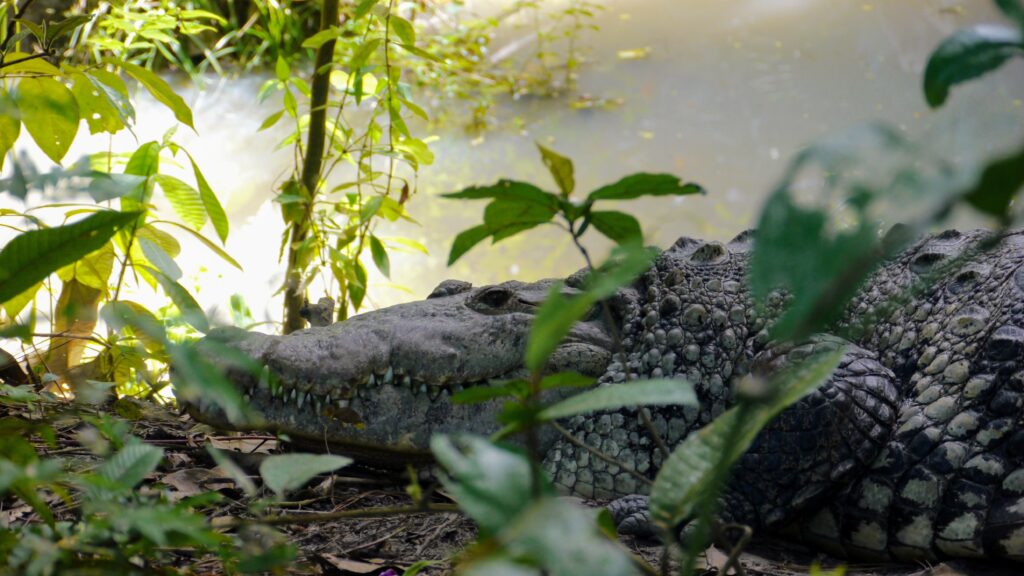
x=730, y=92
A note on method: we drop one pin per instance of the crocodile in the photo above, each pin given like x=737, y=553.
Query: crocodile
x=912, y=450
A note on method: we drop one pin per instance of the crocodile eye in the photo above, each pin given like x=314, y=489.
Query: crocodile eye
x=495, y=297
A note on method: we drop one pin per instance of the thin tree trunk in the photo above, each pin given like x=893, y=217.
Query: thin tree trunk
x=295, y=293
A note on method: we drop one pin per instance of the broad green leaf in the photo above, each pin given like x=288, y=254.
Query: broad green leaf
x=660, y=392
x=503, y=215
x=161, y=91
x=121, y=314
x=190, y=310
x=214, y=210
x=1012, y=9
x=206, y=241
x=156, y=256
x=511, y=190
x=15, y=305
x=184, y=199
x=145, y=161
x=282, y=70
x=403, y=29
x=967, y=54
x=271, y=120
x=357, y=284
x=642, y=184
x=364, y=7
x=28, y=66
x=796, y=252
x=285, y=472
x=688, y=474
x=201, y=15
x=318, y=39
x=564, y=539
x=485, y=392
x=465, y=240
x=418, y=153
x=32, y=256
x=57, y=29
x=165, y=241
x=10, y=124
x=421, y=53
x=50, y=114
x=93, y=270
x=998, y=185
x=370, y=208
x=561, y=170
x=618, y=226
x=380, y=256
x=560, y=311
x=409, y=243
x=129, y=466
x=95, y=105
x=115, y=92
x=491, y=483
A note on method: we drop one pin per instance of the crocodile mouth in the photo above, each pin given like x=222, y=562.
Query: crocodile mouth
x=385, y=419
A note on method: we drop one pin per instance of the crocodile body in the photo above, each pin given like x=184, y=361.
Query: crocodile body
x=913, y=449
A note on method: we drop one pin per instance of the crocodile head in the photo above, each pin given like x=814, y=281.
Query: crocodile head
x=378, y=385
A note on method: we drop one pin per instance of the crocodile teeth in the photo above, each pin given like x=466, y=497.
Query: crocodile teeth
x=294, y=395
x=264, y=382
x=317, y=407
x=423, y=388
x=327, y=401
x=341, y=403
x=389, y=375
x=301, y=399
x=373, y=380
x=407, y=380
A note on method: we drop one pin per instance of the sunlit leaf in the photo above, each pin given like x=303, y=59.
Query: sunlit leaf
x=190, y=310
x=156, y=256
x=967, y=54
x=184, y=199
x=403, y=29
x=10, y=124
x=465, y=240
x=214, y=210
x=206, y=241
x=131, y=464
x=32, y=256
x=561, y=169
x=160, y=90
x=380, y=256
x=50, y=114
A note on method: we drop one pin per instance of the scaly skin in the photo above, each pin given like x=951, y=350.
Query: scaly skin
x=914, y=448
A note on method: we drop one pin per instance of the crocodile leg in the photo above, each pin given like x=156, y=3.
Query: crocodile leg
x=811, y=450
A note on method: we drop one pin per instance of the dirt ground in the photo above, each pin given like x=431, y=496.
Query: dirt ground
x=357, y=546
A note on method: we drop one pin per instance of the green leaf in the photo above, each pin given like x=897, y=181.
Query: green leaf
x=421, y=53
x=465, y=240
x=206, y=241
x=129, y=466
x=190, y=310
x=643, y=184
x=511, y=190
x=214, y=210
x=357, y=289
x=967, y=54
x=565, y=380
x=95, y=105
x=485, y=392
x=57, y=29
x=364, y=7
x=618, y=226
x=380, y=256
x=504, y=217
x=660, y=392
x=121, y=314
x=161, y=91
x=690, y=472
x=999, y=183
x=184, y=199
x=10, y=124
x=271, y=120
x=282, y=70
x=163, y=262
x=561, y=169
x=491, y=483
x=145, y=161
x=32, y=256
x=403, y=29
x=561, y=310
x=15, y=305
x=1013, y=10
x=795, y=251
x=50, y=114
x=318, y=39
x=563, y=539
x=285, y=472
